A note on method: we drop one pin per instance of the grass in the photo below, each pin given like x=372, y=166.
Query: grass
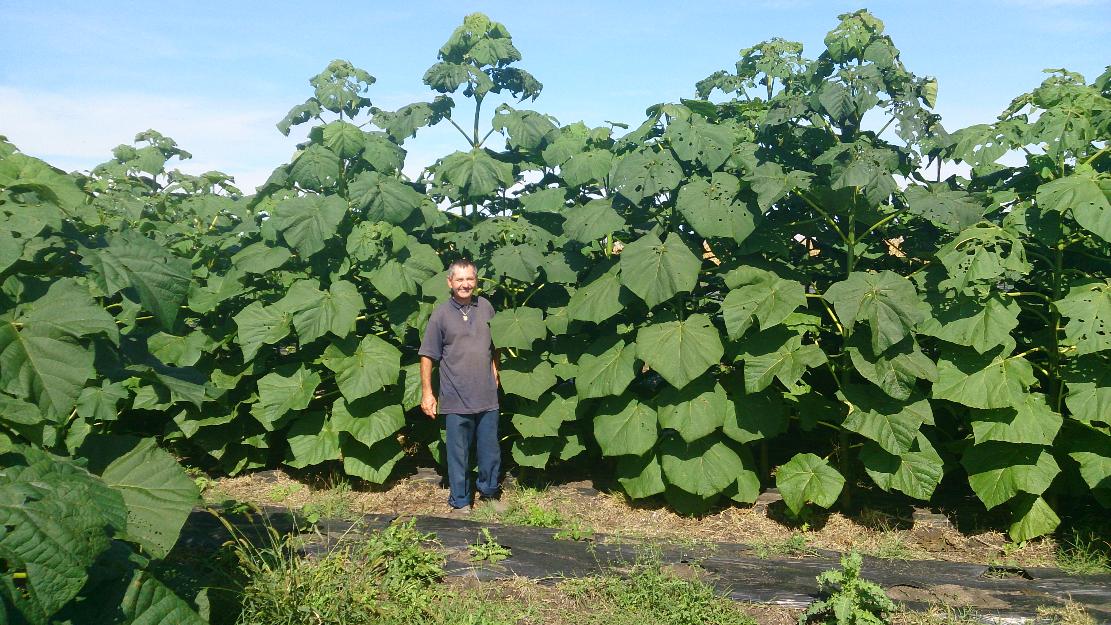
x=795, y=546
x=524, y=506
x=1084, y=553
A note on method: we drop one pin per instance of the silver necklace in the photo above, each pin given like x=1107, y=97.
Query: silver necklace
x=463, y=312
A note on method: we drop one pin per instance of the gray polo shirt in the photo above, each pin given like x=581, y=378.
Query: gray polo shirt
x=466, y=355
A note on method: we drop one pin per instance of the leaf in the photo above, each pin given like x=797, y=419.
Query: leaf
x=886, y=300
x=644, y=174
x=705, y=467
x=533, y=452
x=342, y=138
x=543, y=420
x=384, y=197
x=1091, y=450
x=964, y=321
x=893, y=424
x=179, y=351
x=992, y=380
x=518, y=328
x=1031, y=421
x=699, y=141
x=680, y=351
x=915, y=473
x=527, y=377
x=759, y=294
x=1085, y=193
x=1089, y=390
x=67, y=309
x=640, y=476
x=591, y=221
x=260, y=325
x=364, y=368
x=549, y=200
x=381, y=153
x=279, y=394
x=751, y=417
x=368, y=420
x=624, y=425
x=598, y=300
x=316, y=169
x=307, y=222
x=772, y=184
x=777, y=353
x=591, y=166
x=807, y=478
x=656, y=270
x=695, y=411
x=260, y=258
x=520, y=262
x=46, y=370
x=159, y=495
x=528, y=130
x=161, y=279
x=148, y=600
x=1033, y=518
x=606, y=369
x=999, y=471
x=375, y=463
x=948, y=209
x=316, y=312
x=98, y=403
x=980, y=257
x=897, y=371
x=712, y=209
x=1088, y=308
x=312, y=439
x=476, y=173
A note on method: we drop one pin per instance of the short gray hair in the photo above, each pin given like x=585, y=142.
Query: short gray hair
x=461, y=263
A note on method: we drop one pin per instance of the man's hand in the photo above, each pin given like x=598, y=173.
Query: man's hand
x=428, y=404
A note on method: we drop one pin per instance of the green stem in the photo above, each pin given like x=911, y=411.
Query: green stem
x=882, y=222
x=824, y=214
x=460, y=129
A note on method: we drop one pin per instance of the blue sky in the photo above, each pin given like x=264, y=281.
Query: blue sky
x=79, y=78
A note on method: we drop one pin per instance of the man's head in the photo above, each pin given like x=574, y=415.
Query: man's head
x=462, y=277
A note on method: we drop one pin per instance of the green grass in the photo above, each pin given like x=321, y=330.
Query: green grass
x=524, y=506
x=1084, y=553
x=796, y=546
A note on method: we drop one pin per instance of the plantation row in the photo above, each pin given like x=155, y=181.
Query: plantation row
x=761, y=285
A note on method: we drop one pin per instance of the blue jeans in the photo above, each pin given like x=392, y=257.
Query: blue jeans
x=464, y=431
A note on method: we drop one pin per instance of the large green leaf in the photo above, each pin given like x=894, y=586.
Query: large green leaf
x=476, y=173
x=625, y=425
x=1089, y=389
x=132, y=260
x=761, y=295
x=363, y=368
x=771, y=183
x=591, y=221
x=375, y=463
x=704, y=467
x=751, y=417
x=942, y=206
x=158, y=493
x=1032, y=517
x=712, y=208
x=316, y=169
x=343, y=138
x=980, y=257
x=368, y=420
x=527, y=377
x=915, y=473
x=645, y=173
x=640, y=476
x=148, y=600
x=307, y=222
x=886, y=300
x=384, y=197
x=999, y=471
x=965, y=321
x=897, y=371
x=45, y=369
x=67, y=309
x=586, y=167
x=317, y=312
x=1091, y=450
x=656, y=270
x=1030, y=421
x=777, y=353
x=606, y=369
x=700, y=141
x=280, y=394
x=260, y=258
x=1084, y=192
x=599, y=300
x=807, y=478
x=520, y=262
x=544, y=419
x=695, y=411
x=680, y=351
x=893, y=424
x=312, y=439
x=260, y=325
x=1088, y=308
x=518, y=328
x=992, y=380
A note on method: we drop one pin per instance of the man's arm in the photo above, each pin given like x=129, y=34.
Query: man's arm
x=427, y=397
x=494, y=366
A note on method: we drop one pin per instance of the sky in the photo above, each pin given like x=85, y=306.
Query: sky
x=79, y=78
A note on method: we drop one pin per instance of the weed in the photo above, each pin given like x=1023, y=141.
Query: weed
x=852, y=599
x=333, y=502
x=892, y=546
x=797, y=546
x=280, y=492
x=488, y=549
x=1069, y=614
x=1083, y=553
x=526, y=508
x=575, y=531
x=651, y=594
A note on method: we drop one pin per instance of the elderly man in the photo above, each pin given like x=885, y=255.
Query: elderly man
x=458, y=337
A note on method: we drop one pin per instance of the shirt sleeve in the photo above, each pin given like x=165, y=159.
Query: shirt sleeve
x=432, y=345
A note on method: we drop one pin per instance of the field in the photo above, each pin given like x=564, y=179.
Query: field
x=761, y=313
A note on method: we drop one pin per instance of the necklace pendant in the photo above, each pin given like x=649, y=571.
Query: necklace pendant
x=464, y=316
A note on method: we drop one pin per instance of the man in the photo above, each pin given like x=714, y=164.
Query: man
x=458, y=337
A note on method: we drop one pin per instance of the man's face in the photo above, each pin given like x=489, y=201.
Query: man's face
x=462, y=283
